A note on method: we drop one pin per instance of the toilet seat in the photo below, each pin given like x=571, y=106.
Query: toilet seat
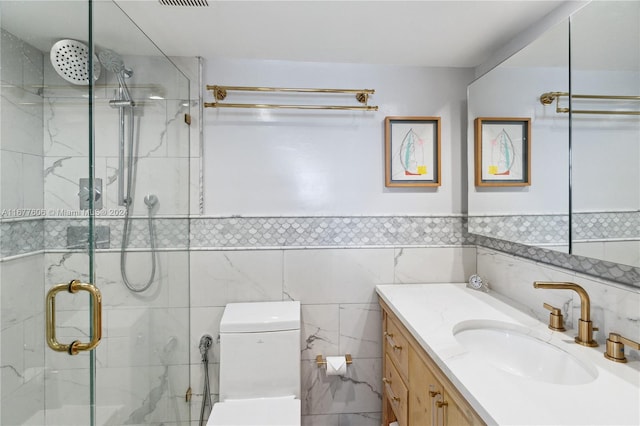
x=279, y=411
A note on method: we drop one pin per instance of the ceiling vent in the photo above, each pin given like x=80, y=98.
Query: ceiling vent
x=197, y=3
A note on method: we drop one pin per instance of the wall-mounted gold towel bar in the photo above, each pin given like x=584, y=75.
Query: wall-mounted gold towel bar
x=548, y=98
x=220, y=94
x=321, y=361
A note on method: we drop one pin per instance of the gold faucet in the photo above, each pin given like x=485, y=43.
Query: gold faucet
x=585, y=326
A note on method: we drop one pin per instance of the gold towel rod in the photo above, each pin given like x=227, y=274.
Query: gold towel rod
x=220, y=93
x=548, y=98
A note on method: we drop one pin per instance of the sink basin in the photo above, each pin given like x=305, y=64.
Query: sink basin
x=523, y=352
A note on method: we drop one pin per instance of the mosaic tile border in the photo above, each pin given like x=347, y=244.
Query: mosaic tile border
x=606, y=225
x=326, y=231
x=169, y=232
x=615, y=272
x=20, y=237
x=550, y=229
x=525, y=229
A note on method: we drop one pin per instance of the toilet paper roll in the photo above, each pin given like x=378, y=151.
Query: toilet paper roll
x=336, y=366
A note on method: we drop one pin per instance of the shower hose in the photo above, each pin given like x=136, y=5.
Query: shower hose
x=150, y=200
x=123, y=253
x=205, y=344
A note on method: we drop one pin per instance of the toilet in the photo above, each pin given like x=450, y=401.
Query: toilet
x=259, y=365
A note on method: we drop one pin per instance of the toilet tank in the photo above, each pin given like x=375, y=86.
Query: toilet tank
x=260, y=350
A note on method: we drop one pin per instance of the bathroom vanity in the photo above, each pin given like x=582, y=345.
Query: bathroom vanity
x=456, y=356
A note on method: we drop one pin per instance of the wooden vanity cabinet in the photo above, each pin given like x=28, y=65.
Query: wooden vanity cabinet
x=415, y=391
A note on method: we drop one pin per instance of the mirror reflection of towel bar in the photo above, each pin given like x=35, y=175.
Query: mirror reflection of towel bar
x=548, y=98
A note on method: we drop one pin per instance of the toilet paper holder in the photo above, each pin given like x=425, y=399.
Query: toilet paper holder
x=321, y=361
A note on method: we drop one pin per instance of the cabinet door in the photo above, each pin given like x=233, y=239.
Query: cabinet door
x=424, y=390
x=455, y=414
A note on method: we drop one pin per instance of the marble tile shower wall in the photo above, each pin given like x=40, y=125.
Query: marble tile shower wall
x=144, y=349
x=45, y=151
x=21, y=135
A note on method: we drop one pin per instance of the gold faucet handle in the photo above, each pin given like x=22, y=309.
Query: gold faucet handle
x=556, y=320
x=615, y=347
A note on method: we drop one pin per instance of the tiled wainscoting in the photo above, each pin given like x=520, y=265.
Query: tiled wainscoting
x=330, y=264
x=340, y=315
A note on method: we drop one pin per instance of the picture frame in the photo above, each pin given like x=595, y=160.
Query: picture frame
x=502, y=151
x=412, y=152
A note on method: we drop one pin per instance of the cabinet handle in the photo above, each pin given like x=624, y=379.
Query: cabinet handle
x=391, y=343
x=391, y=395
x=433, y=394
x=444, y=405
x=385, y=380
x=441, y=404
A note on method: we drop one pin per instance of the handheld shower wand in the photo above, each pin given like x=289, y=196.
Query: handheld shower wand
x=125, y=104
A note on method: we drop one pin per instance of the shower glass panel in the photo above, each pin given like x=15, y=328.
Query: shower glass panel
x=61, y=158
x=39, y=386
x=142, y=159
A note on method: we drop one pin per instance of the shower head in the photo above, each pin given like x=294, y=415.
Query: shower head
x=151, y=200
x=111, y=61
x=114, y=63
x=70, y=59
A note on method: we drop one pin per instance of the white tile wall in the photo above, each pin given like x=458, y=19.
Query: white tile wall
x=339, y=312
x=335, y=275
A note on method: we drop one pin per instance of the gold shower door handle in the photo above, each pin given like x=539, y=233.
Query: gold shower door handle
x=76, y=346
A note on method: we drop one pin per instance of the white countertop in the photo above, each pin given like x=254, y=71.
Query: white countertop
x=430, y=312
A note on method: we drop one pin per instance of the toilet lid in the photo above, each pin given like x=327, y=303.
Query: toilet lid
x=253, y=412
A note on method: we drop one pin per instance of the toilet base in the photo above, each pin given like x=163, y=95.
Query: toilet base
x=277, y=411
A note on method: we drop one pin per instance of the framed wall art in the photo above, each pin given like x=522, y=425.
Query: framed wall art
x=412, y=151
x=503, y=151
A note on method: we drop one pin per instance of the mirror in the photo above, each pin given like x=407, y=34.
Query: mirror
x=537, y=214
x=603, y=148
x=605, y=61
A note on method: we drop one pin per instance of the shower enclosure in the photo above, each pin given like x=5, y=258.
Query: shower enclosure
x=68, y=153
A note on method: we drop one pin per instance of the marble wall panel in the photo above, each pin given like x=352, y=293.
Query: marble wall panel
x=614, y=307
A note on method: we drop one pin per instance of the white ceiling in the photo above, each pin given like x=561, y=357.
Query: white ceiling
x=423, y=33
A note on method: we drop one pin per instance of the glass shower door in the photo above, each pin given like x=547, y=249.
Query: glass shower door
x=95, y=191
x=46, y=230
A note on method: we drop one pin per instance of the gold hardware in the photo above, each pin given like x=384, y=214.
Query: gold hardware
x=76, y=346
x=187, y=396
x=615, y=347
x=433, y=394
x=389, y=392
x=273, y=106
x=585, y=326
x=391, y=342
x=220, y=94
x=320, y=361
x=556, y=321
x=385, y=380
x=441, y=404
x=224, y=89
x=187, y=119
x=548, y=98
